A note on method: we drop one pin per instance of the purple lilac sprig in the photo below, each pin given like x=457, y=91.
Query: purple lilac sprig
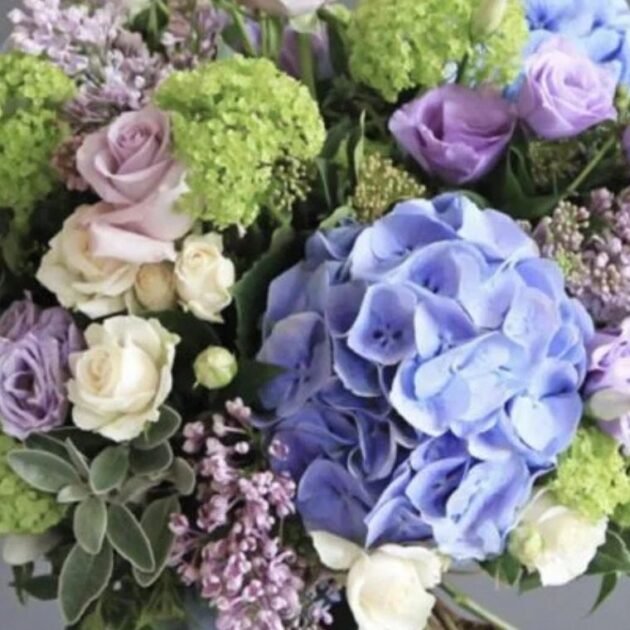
x=233, y=551
x=592, y=245
x=114, y=69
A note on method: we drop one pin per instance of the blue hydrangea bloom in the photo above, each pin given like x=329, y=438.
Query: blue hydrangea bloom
x=423, y=354
x=601, y=28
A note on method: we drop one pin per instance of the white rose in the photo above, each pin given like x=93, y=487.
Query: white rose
x=124, y=376
x=204, y=277
x=155, y=286
x=94, y=286
x=386, y=588
x=556, y=541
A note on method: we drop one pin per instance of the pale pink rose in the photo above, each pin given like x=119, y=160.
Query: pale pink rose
x=130, y=167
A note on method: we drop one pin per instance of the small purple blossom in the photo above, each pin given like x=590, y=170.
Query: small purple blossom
x=35, y=346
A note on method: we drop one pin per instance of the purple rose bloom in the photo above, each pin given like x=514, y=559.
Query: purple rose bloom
x=607, y=388
x=454, y=132
x=18, y=319
x=564, y=93
x=34, y=370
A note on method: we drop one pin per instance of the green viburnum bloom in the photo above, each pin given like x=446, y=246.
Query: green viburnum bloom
x=233, y=121
x=23, y=510
x=398, y=45
x=592, y=477
x=32, y=92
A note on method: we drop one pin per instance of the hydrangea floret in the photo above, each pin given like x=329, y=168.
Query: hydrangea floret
x=233, y=121
x=592, y=477
x=23, y=510
x=31, y=93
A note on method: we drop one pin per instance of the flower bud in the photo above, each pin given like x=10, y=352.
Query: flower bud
x=155, y=286
x=215, y=367
x=487, y=18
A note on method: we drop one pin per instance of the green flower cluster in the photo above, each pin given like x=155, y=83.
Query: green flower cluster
x=32, y=91
x=498, y=58
x=402, y=44
x=23, y=510
x=233, y=121
x=381, y=184
x=592, y=477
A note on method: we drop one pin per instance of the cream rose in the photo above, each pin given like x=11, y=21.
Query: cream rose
x=124, y=376
x=93, y=285
x=155, y=286
x=556, y=541
x=204, y=277
x=386, y=588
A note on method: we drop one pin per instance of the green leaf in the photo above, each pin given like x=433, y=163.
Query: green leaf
x=251, y=377
x=151, y=462
x=529, y=582
x=155, y=523
x=356, y=147
x=609, y=583
x=612, y=557
x=90, y=524
x=78, y=459
x=506, y=568
x=128, y=538
x=42, y=587
x=73, y=493
x=250, y=292
x=160, y=431
x=182, y=476
x=134, y=489
x=109, y=469
x=83, y=579
x=42, y=470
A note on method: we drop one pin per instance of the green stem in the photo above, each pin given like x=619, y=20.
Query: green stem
x=242, y=30
x=461, y=70
x=471, y=606
x=307, y=65
x=591, y=166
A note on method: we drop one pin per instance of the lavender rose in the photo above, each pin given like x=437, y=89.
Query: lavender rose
x=17, y=320
x=34, y=369
x=564, y=93
x=607, y=388
x=454, y=132
x=130, y=166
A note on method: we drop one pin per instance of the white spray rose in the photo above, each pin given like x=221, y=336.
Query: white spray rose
x=204, y=277
x=556, y=541
x=81, y=281
x=155, y=286
x=387, y=587
x=123, y=377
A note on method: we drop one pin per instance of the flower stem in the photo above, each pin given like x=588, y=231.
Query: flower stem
x=591, y=166
x=239, y=23
x=307, y=66
x=471, y=606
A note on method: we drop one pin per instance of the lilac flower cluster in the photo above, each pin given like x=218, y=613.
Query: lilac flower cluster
x=596, y=262
x=113, y=67
x=232, y=551
x=35, y=346
x=387, y=335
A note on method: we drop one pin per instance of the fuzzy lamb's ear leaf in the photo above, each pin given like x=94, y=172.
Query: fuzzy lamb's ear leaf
x=74, y=493
x=129, y=539
x=44, y=471
x=90, y=524
x=182, y=476
x=45, y=442
x=155, y=523
x=83, y=579
x=151, y=462
x=109, y=469
x=160, y=431
x=78, y=459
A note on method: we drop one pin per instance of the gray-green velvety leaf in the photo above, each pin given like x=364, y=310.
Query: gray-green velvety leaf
x=128, y=538
x=154, y=461
x=42, y=470
x=109, y=469
x=90, y=524
x=160, y=431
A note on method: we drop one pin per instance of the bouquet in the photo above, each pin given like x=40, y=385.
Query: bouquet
x=305, y=309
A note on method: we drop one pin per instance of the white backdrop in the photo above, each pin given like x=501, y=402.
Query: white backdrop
x=551, y=609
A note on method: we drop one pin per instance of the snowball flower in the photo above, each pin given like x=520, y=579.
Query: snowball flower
x=204, y=277
x=80, y=280
x=123, y=377
x=386, y=588
x=556, y=541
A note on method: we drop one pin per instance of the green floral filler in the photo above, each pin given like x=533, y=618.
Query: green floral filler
x=401, y=44
x=498, y=58
x=233, y=121
x=592, y=477
x=23, y=510
x=31, y=93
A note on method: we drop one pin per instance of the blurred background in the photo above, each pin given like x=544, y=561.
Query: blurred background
x=552, y=609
